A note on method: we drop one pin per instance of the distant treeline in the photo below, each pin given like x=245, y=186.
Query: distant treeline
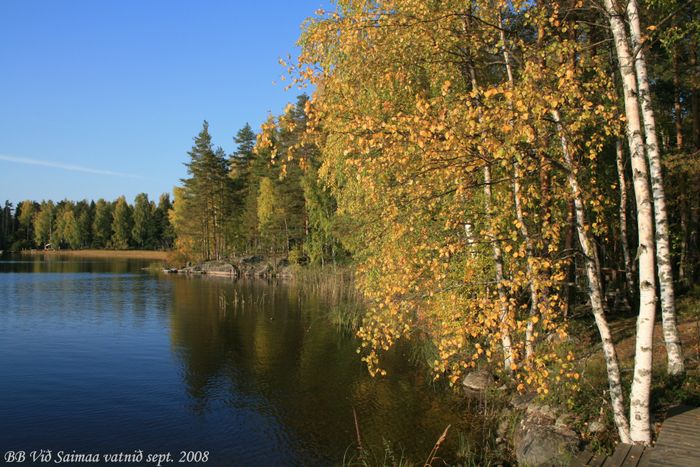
x=265, y=198
x=87, y=224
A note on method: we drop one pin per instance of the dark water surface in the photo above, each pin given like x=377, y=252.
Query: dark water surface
x=97, y=356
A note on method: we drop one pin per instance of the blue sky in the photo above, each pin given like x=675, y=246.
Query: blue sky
x=103, y=98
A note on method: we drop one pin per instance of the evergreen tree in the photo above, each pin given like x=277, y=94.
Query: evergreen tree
x=207, y=198
x=243, y=226
x=244, y=153
x=164, y=232
x=6, y=226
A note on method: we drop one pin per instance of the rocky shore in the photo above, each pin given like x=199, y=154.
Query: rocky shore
x=243, y=267
x=536, y=433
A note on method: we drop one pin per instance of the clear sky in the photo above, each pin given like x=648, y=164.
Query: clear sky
x=101, y=98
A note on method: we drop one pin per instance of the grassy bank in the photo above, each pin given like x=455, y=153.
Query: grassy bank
x=115, y=254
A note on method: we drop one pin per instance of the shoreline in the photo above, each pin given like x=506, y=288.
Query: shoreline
x=93, y=253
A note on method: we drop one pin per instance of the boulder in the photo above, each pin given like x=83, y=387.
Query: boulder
x=541, y=413
x=545, y=445
x=477, y=381
x=252, y=259
x=521, y=401
x=219, y=268
x=543, y=437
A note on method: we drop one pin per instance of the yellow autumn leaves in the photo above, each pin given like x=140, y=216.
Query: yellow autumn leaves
x=412, y=105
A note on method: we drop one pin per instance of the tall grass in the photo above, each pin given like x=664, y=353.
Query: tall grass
x=335, y=287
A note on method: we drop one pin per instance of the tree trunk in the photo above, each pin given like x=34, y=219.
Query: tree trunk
x=677, y=108
x=629, y=279
x=506, y=342
x=571, y=267
x=695, y=92
x=640, y=430
x=504, y=320
x=534, y=298
x=674, y=352
x=595, y=293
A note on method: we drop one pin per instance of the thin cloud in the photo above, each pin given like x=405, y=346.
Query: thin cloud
x=57, y=165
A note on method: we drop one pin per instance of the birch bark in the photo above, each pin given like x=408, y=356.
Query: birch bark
x=622, y=180
x=595, y=292
x=534, y=296
x=640, y=429
x=506, y=341
x=672, y=340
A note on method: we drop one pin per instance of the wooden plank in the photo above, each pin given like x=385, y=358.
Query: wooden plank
x=677, y=435
x=682, y=462
x=633, y=456
x=597, y=460
x=618, y=457
x=582, y=458
x=685, y=445
x=690, y=424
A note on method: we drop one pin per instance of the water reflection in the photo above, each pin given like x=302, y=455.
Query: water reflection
x=267, y=346
x=56, y=263
x=98, y=355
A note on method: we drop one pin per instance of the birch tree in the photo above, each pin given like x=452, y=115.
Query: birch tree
x=640, y=429
x=676, y=366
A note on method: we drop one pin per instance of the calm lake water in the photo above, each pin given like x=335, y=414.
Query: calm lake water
x=98, y=356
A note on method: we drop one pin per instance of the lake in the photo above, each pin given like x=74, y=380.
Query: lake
x=101, y=357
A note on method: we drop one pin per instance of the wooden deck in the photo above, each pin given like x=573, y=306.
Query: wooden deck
x=678, y=445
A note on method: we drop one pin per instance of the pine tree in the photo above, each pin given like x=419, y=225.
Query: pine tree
x=243, y=223
x=206, y=199
x=164, y=232
x=6, y=225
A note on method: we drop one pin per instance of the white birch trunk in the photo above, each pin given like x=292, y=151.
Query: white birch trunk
x=663, y=248
x=534, y=299
x=595, y=294
x=534, y=296
x=506, y=342
x=640, y=429
x=619, y=159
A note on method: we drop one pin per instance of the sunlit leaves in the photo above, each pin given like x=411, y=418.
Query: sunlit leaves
x=405, y=135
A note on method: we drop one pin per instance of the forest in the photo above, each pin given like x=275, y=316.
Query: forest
x=87, y=224
x=490, y=170
x=264, y=199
